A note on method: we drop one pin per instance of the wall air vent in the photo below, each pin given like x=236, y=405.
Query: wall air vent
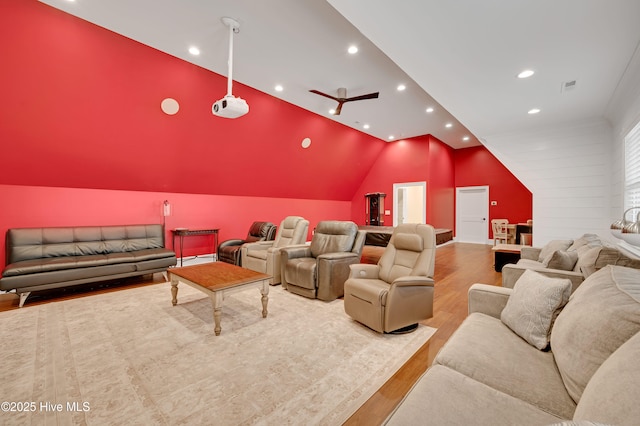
x=568, y=86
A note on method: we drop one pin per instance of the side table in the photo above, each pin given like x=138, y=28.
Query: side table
x=505, y=253
x=183, y=232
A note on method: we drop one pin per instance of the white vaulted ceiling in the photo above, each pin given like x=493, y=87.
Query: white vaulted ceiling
x=460, y=57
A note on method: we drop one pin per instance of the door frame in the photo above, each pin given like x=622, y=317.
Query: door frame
x=459, y=189
x=397, y=187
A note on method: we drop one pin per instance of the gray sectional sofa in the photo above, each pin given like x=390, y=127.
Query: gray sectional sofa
x=572, y=259
x=48, y=258
x=493, y=372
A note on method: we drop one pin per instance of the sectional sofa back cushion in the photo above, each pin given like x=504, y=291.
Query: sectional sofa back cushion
x=551, y=247
x=611, y=396
x=602, y=314
x=40, y=243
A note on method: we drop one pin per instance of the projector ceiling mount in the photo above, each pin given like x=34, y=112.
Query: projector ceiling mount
x=230, y=106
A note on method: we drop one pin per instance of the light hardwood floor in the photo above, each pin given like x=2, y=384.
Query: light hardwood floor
x=458, y=266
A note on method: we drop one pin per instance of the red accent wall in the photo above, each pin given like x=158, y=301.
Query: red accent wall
x=476, y=166
x=81, y=108
x=422, y=158
x=33, y=206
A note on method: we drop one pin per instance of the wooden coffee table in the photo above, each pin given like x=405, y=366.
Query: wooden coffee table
x=217, y=279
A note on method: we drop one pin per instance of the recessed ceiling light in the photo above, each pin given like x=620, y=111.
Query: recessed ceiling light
x=353, y=49
x=448, y=125
x=194, y=50
x=332, y=111
x=401, y=87
x=366, y=126
x=534, y=111
x=391, y=137
x=526, y=74
x=429, y=109
x=279, y=88
x=466, y=138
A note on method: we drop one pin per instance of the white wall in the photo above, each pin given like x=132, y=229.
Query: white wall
x=567, y=168
x=575, y=171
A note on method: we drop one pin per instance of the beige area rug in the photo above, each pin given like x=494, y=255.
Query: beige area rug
x=131, y=358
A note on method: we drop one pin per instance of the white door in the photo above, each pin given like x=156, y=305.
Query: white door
x=472, y=214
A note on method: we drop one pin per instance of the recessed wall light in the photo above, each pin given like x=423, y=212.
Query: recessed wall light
x=429, y=109
x=526, y=74
x=448, y=125
x=194, y=50
x=401, y=87
x=279, y=88
x=353, y=49
x=366, y=126
x=534, y=111
x=466, y=138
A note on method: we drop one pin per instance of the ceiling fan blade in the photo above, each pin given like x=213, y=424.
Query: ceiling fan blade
x=324, y=94
x=363, y=97
x=339, y=108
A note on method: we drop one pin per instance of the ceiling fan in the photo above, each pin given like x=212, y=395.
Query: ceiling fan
x=342, y=98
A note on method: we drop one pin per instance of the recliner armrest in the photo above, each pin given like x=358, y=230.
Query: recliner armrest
x=410, y=280
x=364, y=270
x=233, y=242
x=488, y=299
x=338, y=255
x=294, y=252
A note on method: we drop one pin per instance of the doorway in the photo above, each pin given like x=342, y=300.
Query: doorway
x=472, y=212
x=410, y=202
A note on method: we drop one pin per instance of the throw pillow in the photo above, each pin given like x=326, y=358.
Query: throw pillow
x=533, y=306
x=552, y=246
x=563, y=260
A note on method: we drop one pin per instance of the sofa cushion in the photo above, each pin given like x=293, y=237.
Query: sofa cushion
x=533, y=306
x=486, y=350
x=608, y=397
x=601, y=315
x=584, y=240
x=563, y=260
x=550, y=247
x=445, y=397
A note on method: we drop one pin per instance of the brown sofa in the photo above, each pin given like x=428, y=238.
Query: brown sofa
x=489, y=374
x=48, y=258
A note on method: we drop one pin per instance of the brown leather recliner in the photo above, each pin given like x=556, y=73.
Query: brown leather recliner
x=395, y=294
x=264, y=256
x=320, y=269
x=229, y=250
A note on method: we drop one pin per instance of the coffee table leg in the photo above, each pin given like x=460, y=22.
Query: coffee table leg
x=265, y=298
x=174, y=291
x=217, y=299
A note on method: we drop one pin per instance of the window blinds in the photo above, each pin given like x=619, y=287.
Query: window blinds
x=632, y=168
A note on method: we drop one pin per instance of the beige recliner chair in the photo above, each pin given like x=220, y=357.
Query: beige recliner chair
x=320, y=269
x=395, y=294
x=264, y=256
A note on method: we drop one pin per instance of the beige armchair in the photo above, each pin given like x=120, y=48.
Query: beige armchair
x=395, y=294
x=264, y=256
x=320, y=269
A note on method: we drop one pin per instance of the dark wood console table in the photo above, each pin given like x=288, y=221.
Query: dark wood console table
x=181, y=233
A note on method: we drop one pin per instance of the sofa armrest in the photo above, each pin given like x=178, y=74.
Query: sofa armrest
x=532, y=253
x=488, y=299
x=512, y=272
x=410, y=280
